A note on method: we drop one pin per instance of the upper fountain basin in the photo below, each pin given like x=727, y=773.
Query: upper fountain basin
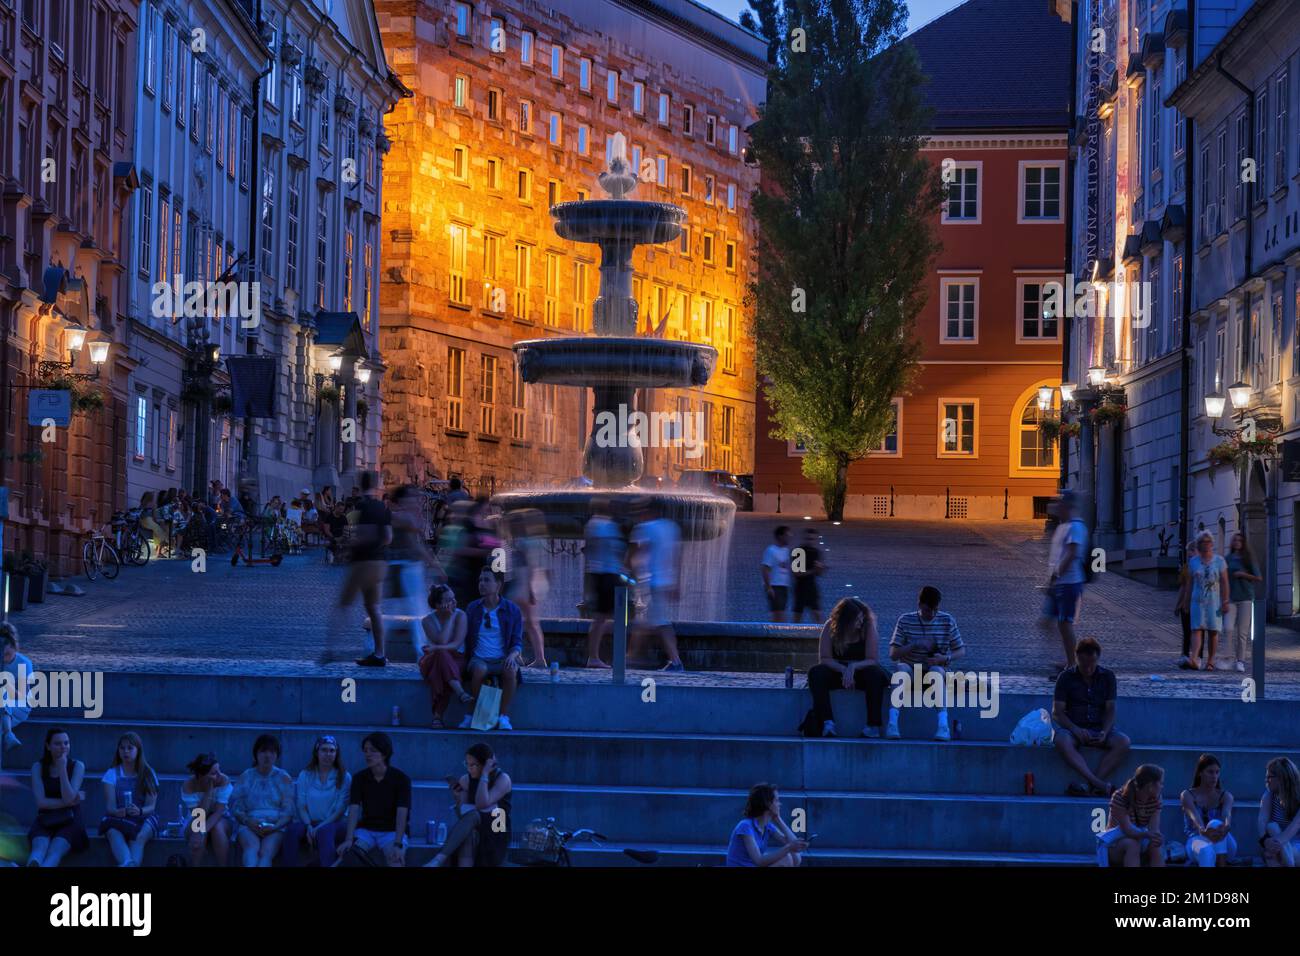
x=634, y=362
x=633, y=220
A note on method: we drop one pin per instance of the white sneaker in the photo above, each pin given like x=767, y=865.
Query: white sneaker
x=891, y=731
x=943, y=733
x=828, y=728
x=465, y=722
x=871, y=731
x=503, y=723
x=1240, y=666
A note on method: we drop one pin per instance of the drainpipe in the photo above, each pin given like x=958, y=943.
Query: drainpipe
x=1071, y=164
x=1189, y=265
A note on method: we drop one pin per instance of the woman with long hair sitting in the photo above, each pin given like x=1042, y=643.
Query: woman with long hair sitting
x=1207, y=815
x=442, y=653
x=56, y=785
x=1279, y=814
x=130, y=799
x=849, y=659
x=1134, y=826
x=483, y=795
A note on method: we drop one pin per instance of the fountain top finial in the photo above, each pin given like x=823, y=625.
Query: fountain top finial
x=621, y=179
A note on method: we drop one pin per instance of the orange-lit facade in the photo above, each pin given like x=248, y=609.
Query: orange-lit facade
x=514, y=108
x=966, y=442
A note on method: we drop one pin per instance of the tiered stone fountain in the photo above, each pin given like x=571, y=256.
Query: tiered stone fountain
x=614, y=362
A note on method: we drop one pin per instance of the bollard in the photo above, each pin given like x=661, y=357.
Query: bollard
x=620, y=634
x=1258, y=623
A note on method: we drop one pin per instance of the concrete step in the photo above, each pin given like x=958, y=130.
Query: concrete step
x=670, y=855
x=855, y=820
x=666, y=760
x=661, y=708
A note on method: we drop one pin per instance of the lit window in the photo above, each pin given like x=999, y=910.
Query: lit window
x=957, y=428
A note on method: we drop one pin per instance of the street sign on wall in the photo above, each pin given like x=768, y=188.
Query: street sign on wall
x=49, y=403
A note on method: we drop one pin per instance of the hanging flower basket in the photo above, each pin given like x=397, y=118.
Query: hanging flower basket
x=327, y=393
x=1071, y=430
x=1108, y=413
x=1050, y=428
x=1224, y=453
x=87, y=401
x=222, y=403
x=363, y=409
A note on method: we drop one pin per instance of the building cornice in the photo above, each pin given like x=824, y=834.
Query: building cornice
x=997, y=141
x=657, y=11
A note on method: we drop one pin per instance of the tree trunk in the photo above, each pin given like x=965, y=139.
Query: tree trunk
x=834, y=495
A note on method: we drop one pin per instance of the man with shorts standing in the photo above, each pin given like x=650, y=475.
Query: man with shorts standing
x=371, y=535
x=1068, y=575
x=603, y=554
x=656, y=543
x=776, y=573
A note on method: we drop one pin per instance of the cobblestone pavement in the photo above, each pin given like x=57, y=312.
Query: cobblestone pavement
x=264, y=620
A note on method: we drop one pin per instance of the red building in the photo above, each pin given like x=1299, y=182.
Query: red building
x=966, y=442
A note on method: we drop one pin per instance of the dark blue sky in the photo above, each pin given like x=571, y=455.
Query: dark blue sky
x=920, y=12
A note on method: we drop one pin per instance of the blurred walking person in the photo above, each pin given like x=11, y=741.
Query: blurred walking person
x=1243, y=575
x=527, y=582
x=656, y=559
x=371, y=535
x=1068, y=576
x=776, y=573
x=410, y=558
x=603, y=554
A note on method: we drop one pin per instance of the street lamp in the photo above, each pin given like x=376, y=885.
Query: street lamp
x=1096, y=376
x=363, y=374
x=336, y=361
x=1045, y=398
x=1214, y=404
x=76, y=337
x=1067, y=391
x=99, y=351
x=1240, y=394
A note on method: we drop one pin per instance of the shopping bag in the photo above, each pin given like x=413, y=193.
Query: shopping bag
x=1034, y=730
x=488, y=709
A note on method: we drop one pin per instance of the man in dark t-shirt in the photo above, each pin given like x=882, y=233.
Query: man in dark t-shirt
x=379, y=804
x=1084, y=711
x=806, y=566
x=371, y=535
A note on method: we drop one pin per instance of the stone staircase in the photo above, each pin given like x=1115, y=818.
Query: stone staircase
x=671, y=773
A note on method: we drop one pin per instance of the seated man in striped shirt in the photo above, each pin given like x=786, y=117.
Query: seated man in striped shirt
x=925, y=641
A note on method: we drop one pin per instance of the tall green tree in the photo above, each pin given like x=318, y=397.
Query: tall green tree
x=845, y=212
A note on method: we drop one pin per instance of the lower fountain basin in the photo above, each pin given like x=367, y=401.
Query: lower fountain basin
x=630, y=362
x=700, y=517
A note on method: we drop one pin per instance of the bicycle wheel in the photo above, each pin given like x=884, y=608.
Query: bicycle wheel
x=88, y=562
x=109, y=562
x=136, y=550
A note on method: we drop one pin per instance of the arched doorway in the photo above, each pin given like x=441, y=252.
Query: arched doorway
x=1255, y=522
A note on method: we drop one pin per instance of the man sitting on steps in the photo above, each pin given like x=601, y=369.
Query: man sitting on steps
x=1084, y=712
x=494, y=640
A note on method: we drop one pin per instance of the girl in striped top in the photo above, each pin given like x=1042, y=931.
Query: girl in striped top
x=1279, y=813
x=1134, y=826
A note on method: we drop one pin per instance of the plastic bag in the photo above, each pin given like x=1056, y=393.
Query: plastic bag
x=488, y=709
x=1034, y=730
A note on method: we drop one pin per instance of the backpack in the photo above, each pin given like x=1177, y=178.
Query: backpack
x=1089, y=575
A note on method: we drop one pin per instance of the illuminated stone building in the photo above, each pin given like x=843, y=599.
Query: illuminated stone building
x=516, y=108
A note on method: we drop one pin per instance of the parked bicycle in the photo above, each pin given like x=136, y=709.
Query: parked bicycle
x=545, y=844
x=129, y=539
x=98, y=556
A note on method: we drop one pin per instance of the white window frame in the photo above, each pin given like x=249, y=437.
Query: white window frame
x=1040, y=281
x=898, y=432
x=944, y=283
x=940, y=451
x=1025, y=220
x=978, y=166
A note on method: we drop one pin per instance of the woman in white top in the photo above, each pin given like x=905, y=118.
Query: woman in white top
x=130, y=799
x=321, y=796
x=204, y=798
